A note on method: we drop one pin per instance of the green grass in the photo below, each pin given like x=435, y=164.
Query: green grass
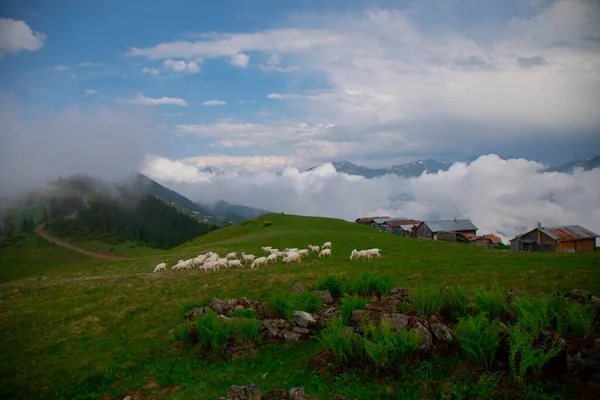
x=124, y=248
x=83, y=328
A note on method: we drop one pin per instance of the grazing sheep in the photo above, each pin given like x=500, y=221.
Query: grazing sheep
x=293, y=257
x=363, y=254
x=374, y=252
x=160, y=267
x=231, y=256
x=327, y=245
x=248, y=257
x=314, y=249
x=272, y=257
x=324, y=253
x=235, y=263
x=266, y=249
x=222, y=262
x=274, y=251
x=259, y=261
x=354, y=254
x=303, y=252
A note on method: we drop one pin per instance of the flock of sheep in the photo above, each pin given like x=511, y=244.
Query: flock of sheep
x=212, y=262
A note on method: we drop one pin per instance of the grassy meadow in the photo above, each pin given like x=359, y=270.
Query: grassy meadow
x=77, y=328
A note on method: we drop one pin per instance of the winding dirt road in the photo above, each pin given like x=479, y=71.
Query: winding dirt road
x=101, y=256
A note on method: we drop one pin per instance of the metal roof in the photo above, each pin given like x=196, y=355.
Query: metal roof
x=407, y=227
x=568, y=232
x=370, y=219
x=399, y=222
x=450, y=225
x=380, y=221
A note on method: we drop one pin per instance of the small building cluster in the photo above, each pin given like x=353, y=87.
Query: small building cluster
x=566, y=239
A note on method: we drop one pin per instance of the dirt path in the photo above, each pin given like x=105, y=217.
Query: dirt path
x=102, y=256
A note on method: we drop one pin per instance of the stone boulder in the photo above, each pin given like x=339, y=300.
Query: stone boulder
x=246, y=392
x=274, y=328
x=441, y=332
x=298, y=394
x=426, y=338
x=304, y=319
x=396, y=321
x=324, y=295
x=196, y=312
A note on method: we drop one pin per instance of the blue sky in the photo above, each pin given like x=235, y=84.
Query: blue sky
x=305, y=82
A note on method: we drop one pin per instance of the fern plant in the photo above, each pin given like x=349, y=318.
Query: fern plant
x=531, y=313
x=335, y=338
x=349, y=304
x=523, y=357
x=456, y=300
x=479, y=337
x=333, y=284
x=426, y=301
x=571, y=317
x=213, y=332
x=385, y=347
x=367, y=282
x=490, y=301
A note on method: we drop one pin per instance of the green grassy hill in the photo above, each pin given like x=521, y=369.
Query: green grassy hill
x=83, y=329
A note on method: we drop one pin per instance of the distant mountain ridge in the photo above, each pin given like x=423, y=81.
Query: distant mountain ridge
x=408, y=170
x=587, y=165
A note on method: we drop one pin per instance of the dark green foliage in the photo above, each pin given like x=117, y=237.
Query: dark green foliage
x=148, y=220
x=268, y=223
x=456, y=300
x=523, y=356
x=331, y=283
x=27, y=224
x=367, y=282
x=334, y=338
x=214, y=332
x=386, y=348
x=349, y=304
x=245, y=313
x=45, y=216
x=571, y=317
x=244, y=329
x=531, y=313
x=8, y=227
x=426, y=301
x=479, y=337
x=283, y=305
x=491, y=301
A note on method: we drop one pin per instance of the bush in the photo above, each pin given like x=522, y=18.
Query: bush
x=214, y=332
x=268, y=223
x=570, y=317
x=334, y=337
x=349, y=304
x=284, y=304
x=490, y=301
x=387, y=348
x=531, y=313
x=333, y=284
x=368, y=283
x=456, y=301
x=426, y=301
x=479, y=337
x=523, y=356
x=245, y=313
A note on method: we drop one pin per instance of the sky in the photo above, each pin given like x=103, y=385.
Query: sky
x=257, y=87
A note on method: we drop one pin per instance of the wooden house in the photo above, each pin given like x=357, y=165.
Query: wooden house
x=562, y=239
x=445, y=229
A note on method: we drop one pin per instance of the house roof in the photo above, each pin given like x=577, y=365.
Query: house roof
x=569, y=232
x=495, y=239
x=450, y=225
x=370, y=219
x=399, y=222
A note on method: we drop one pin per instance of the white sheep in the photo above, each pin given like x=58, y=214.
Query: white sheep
x=160, y=267
x=248, y=257
x=327, y=245
x=235, y=263
x=364, y=254
x=303, y=252
x=231, y=256
x=293, y=257
x=374, y=252
x=314, y=249
x=354, y=254
x=324, y=253
x=259, y=261
x=266, y=249
x=223, y=262
x=272, y=257
x=274, y=251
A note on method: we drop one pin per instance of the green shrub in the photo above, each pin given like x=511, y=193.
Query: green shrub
x=456, y=300
x=213, y=332
x=283, y=305
x=268, y=223
x=426, y=301
x=523, y=356
x=333, y=284
x=244, y=329
x=334, y=337
x=572, y=317
x=245, y=313
x=349, y=304
x=479, y=337
x=490, y=301
x=386, y=348
x=531, y=313
x=368, y=283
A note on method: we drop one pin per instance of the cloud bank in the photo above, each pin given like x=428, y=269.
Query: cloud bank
x=17, y=36
x=505, y=197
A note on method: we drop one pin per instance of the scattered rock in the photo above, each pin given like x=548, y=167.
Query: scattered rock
x=291, y=336
x=304, y=319
x=277, y=394
x=441, y=332
x=273, y=328
x=397, y=321
x=348, y=331
x=298, y=287
x=127, y=398
x=585, y=362
x=358, y=315
x=298, y=394
x=324, y=295
x=222, y=306
x=579, y=295
x=196, y=312
x=400, y=293
x=302, y=331
x=426, y=339
x=246, y=392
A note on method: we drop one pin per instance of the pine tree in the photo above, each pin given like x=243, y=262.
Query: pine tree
x=45, y=217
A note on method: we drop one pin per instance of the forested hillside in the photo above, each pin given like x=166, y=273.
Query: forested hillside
x=148, y=220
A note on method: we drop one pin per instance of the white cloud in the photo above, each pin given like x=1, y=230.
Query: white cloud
x=279, y=96
x=505, y=197
x=150, y=71
x=141, y=100
x=17, y=36
x=181, y=66
x=90, y=91
x=268, y=68
x=209, y=103
x=240, y=60
x=60, y=68
x=241, y=163
x=88, y=64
